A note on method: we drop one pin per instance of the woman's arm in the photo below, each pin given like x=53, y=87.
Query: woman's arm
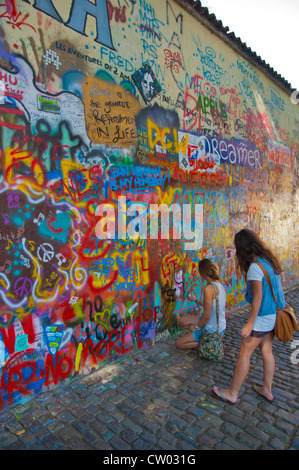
x=192, y=298
x=207, y=307
x=187, y=320
x=255, y=306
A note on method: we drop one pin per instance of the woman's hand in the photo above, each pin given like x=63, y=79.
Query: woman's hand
x=192, y=328
x=255, y=306
x=192, y=297
x=246, y=330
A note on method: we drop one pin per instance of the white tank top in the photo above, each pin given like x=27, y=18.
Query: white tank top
x=211, y=325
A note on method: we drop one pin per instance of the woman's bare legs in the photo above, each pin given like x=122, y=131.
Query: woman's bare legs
x=247, y=347
x=269, y=366
x=186, y=342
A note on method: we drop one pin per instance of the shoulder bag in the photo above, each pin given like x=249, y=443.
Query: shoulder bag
x=211, y=344
x=286, y=322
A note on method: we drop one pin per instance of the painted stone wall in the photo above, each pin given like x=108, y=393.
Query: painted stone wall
x=134, y=142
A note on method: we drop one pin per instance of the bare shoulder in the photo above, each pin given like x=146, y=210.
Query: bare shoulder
x=209, y=291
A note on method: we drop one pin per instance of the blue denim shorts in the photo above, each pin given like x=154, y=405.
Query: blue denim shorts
x=197, y=334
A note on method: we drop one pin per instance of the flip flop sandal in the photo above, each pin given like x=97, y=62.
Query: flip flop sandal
x=220, y=396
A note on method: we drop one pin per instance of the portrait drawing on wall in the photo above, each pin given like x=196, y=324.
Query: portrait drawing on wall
x=146, y=83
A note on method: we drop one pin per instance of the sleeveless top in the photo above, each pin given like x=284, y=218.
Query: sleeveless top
x=211, y=325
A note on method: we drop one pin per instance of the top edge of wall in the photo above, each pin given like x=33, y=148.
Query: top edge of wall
x=216, y=26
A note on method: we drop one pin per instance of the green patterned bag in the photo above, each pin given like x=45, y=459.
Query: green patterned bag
x=210, y=344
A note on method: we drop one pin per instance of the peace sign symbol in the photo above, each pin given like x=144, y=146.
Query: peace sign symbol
x=45, y=252
x=23, y=287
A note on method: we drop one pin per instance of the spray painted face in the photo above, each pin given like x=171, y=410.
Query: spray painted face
x=147, y=84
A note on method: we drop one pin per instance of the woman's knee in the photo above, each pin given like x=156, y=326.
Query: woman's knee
x=179, y=343
x=266, y=350
x=186, y=341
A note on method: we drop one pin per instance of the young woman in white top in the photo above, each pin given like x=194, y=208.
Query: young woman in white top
x=259, y=329
x=209, y=272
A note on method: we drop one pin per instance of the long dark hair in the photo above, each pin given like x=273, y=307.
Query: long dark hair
x=249, y=245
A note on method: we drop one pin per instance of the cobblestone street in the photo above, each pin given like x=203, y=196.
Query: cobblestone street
x=160, y=399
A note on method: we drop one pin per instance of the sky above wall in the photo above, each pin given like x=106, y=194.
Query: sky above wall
x=268, y=27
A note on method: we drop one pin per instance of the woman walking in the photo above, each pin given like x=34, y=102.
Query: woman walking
x=259, y=329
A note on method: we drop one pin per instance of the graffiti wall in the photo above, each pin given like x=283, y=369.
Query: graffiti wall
x=134, y=142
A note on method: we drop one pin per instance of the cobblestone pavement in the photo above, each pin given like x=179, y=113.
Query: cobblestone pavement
x=160, y=399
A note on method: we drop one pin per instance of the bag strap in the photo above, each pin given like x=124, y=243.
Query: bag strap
x=267, y=277
x=217, y=306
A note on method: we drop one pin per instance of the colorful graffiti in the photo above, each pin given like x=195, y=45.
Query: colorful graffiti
x=105, y=114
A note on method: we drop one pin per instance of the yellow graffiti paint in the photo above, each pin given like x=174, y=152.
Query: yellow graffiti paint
x=12, y=161
x=141, y=262
x=78, y=356
x=101, y=318
x=157, y=135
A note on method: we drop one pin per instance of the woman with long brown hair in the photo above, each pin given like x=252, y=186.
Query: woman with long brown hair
x=209, y=272
x=259, y=329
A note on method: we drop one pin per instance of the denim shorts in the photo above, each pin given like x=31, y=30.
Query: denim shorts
x=259, y=334
x=197, y=334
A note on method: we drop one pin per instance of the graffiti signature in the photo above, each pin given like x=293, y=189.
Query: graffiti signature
x=14, y=19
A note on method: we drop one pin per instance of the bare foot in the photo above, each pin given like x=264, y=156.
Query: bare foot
x=224, y=395
x=260, y=391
